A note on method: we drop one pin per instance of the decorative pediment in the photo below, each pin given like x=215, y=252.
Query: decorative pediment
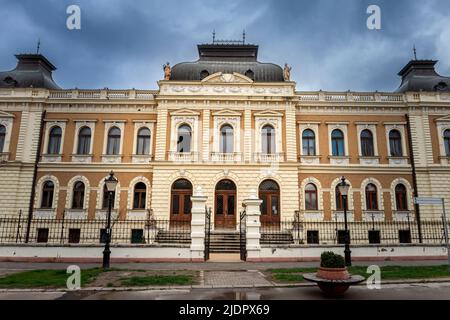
x=443, y=119
x=184, y=112
x=227, y=78
x=226, y=112
x=268, y=113
x=4, y=114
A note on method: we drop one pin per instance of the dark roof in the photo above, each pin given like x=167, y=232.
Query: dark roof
x=420, y=75
x=32, y=70
x=227, y=58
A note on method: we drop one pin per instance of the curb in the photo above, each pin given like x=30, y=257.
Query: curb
x=184, y=288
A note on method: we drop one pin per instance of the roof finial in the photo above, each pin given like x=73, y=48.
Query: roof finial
x=38, y=46
x=415, y=52
x=214, y=35
x=243, y=37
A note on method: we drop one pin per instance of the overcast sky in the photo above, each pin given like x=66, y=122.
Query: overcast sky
x=124, y=43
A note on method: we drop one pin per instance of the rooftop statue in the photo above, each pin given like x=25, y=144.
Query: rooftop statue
x=287, y=72
x=167, y=71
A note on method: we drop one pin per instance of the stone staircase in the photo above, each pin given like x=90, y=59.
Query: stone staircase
x=172, y=237
x=226, y=241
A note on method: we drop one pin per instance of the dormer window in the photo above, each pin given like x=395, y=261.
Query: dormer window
x=204, y=74
x=250, y=74
x=441, y=86
x=10, y=81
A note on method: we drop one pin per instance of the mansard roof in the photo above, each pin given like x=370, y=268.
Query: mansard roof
x=227, y=58
x=420, y=75
x=32, y=70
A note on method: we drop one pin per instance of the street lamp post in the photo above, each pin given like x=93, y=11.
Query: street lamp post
x=111, y=184
x=343, y=190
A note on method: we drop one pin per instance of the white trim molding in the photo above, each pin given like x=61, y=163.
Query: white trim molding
x=400, y=127
x=79, y=124
x=143, y=158
x=365, y=160
x=338, y=160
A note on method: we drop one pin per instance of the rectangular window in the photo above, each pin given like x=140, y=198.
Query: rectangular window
x=274, y=203
x=404, y=236
x=187, y=204
x=312, y=237
x=374, y=236
x=263, y=204
x=219, y=204
x=175, y=204
x=42, y=235
x=137, y=236
x=74, y=235
x=310, y=200
x=230, y=205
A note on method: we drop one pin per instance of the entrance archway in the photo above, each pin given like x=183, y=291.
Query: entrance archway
x=225, y=205
x=269, y=193
x=180, y=200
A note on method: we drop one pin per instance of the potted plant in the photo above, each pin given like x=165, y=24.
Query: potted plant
x=332, y=267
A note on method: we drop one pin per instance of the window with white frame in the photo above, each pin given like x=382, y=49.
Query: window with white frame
x=78, y=193
x=54, y=140
x=184, y=138
x=6, y=123
x=84, y=141
x=113, y=141
x=337, y=143
x=268, y=144
x=367, y=144
x=308, y=143
x=338, y=146
x=48, y=190
x=143, y=141
x=395, y=143
x=226, y=142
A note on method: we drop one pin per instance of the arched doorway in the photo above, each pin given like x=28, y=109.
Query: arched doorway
x=180, y=202
x=269, y=193
x=225, y=205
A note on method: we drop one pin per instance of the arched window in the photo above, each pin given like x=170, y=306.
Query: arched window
x=140, y=196
x=371, y=197
x=78, y=195
x=401, y=198
x=226, y=139
x=2, y=138
x=367, y=149
x=269, y=193
x=340, y=200
x=143, y=141
x=184, y=138
x=204, y=74
x=395, y=143
x=47, y=195
x=268, y=139
x=446, y=142
x=180, y=207
x=311, y=197
x=113, y=146
x=84, y=141
x=54, y=140
x=337, y=143
x=309, y=143
x=250, y=74
x=105, y=198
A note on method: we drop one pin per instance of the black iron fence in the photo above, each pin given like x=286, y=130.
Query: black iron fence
x=332, y=232
x=82, y=231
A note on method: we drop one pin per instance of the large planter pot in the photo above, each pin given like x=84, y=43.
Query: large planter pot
x=333, y=273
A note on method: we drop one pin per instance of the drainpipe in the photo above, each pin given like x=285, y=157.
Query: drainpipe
x=33, y=186
x=413, y=166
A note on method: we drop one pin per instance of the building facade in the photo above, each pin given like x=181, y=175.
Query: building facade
x=229, y=125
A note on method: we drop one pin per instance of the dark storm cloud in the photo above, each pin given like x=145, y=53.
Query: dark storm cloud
x=123, y=44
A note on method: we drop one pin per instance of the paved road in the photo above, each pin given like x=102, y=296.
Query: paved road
x=205, y=265
x=429, y=291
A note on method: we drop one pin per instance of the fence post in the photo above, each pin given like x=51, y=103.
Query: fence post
x=18, y=225
x=253, y=224
x=198, y=225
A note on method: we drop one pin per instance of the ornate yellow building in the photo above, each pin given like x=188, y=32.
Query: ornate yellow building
x=228, y=124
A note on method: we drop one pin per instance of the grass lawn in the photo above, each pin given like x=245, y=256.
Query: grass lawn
x=157, y=280
x=45, y=278
x=387, y=272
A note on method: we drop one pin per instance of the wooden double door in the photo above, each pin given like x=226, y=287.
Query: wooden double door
x=180, y=204
x=225, y=205
x=269, y=193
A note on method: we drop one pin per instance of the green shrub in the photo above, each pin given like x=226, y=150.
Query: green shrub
x=329, y=259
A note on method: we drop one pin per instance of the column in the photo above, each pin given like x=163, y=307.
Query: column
x=198, y=225
x=252, y=209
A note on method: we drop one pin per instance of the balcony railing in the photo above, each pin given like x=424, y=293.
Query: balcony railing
x=268, y=157
x=226, y=157
x=183, y=156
